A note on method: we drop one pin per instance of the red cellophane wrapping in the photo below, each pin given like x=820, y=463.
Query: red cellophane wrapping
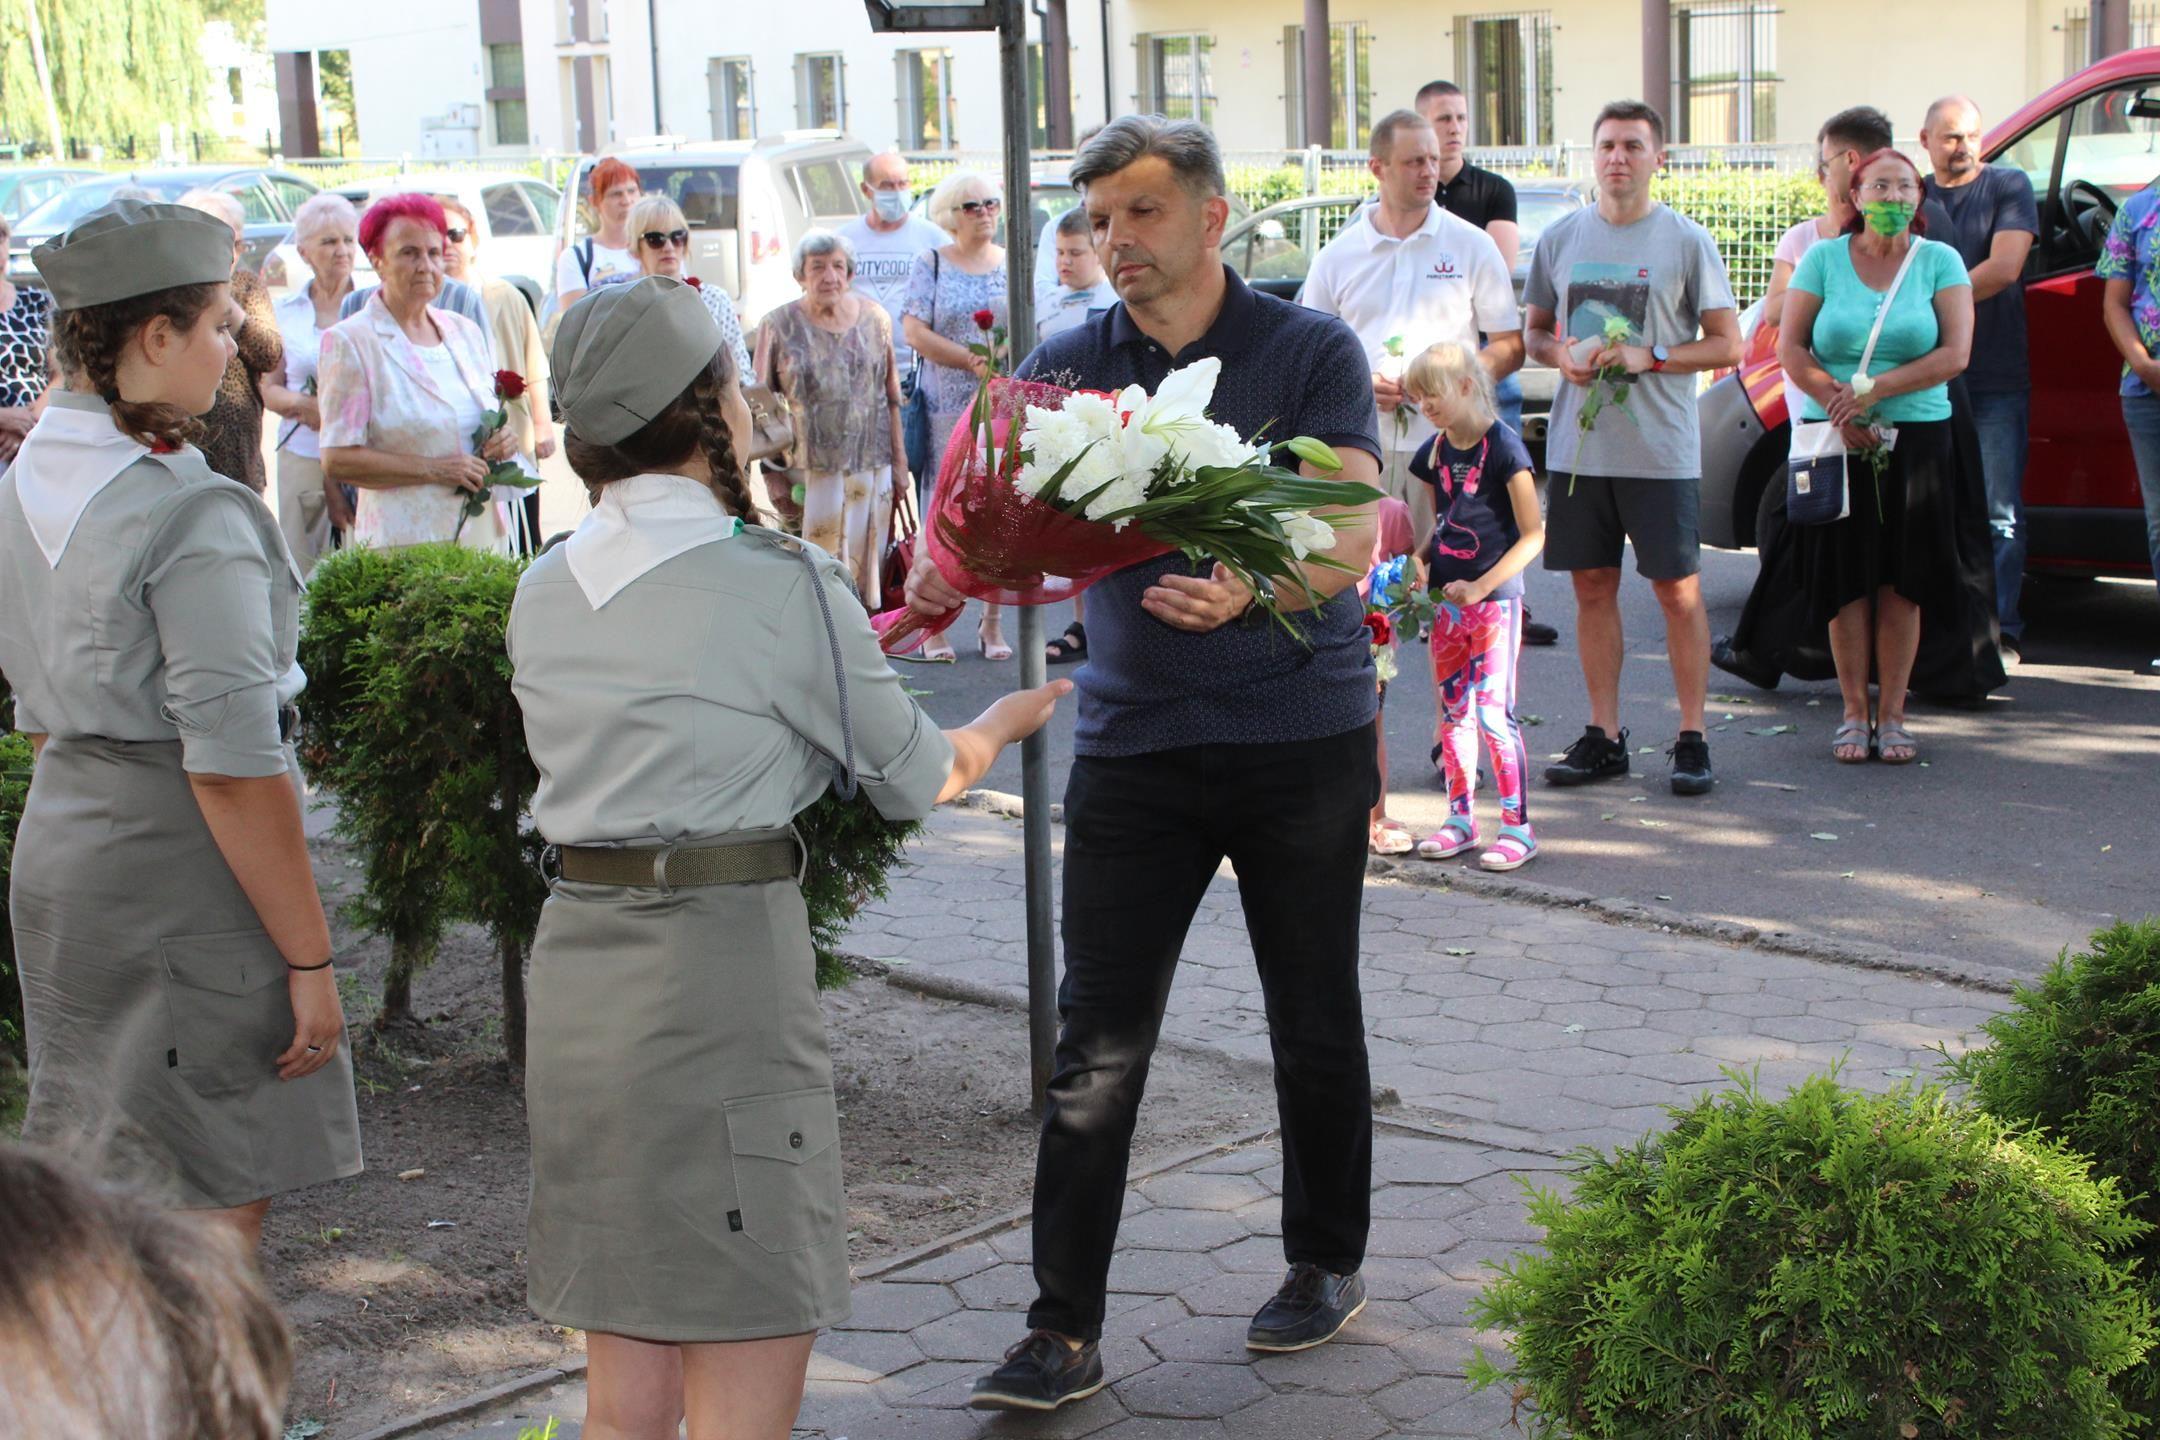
x=995, y=543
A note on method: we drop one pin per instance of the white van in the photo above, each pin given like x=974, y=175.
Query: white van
x=747, y=203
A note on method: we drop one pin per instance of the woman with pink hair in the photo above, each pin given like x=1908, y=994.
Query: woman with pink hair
x=403, y=389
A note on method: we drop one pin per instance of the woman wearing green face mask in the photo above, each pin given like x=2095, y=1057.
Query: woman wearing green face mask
x=1871, y=575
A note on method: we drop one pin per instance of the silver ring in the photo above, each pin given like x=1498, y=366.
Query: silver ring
x=315, y=1049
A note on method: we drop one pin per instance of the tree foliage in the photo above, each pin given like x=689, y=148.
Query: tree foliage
x=120, y=68
x=2079, y=1056
x=1827, y=1266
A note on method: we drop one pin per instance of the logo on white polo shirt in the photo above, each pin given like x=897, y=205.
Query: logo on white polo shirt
x=1444, y=268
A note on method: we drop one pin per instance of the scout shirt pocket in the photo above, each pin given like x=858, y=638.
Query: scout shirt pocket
x=787, y=1168
x=230, y=1014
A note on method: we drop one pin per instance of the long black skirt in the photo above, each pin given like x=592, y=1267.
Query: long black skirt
x=1929, y=542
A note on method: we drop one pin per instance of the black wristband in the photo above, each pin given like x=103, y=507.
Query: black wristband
x=310, y=969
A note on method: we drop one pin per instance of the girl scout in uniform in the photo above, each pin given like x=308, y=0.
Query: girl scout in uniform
x=177, y=994
x=689, y=684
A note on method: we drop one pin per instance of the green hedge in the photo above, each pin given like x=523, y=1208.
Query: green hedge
x=2078, y=1055
x=15, y=761
x=1826, y=1266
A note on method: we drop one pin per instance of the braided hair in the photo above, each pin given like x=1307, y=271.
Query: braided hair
x=88, y=342
x=692, y=423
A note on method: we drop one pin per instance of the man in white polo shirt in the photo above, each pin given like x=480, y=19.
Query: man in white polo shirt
x=1405, y=274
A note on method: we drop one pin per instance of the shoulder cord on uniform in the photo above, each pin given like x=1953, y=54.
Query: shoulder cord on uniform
x=844, y=782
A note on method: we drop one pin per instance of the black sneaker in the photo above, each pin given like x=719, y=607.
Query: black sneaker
x=1310, y=1308
x=1042, y=1372
x=1537, y=632
x=1596, y=756
x=1690, y=756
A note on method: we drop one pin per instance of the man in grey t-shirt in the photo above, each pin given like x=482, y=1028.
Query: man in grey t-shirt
x=1629, y=302
x=886, y=242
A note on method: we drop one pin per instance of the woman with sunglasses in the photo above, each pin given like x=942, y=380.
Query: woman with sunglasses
x=660, y=243
x=948, y=286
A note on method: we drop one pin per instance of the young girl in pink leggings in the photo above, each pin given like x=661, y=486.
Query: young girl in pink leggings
x=1486, y=528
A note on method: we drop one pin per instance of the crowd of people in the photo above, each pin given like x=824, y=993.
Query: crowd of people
x=686, y=1207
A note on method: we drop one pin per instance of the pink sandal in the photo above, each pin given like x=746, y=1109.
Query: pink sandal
x=1515, y=848
x=1451, y=839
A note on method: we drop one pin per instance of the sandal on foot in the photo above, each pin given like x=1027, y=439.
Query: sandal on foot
x=1389, y=837
x=1896, y=737
x=1069, y=648
x=1852, y=734
x=1450, y=840
x=1515, y=848
x=991, y=649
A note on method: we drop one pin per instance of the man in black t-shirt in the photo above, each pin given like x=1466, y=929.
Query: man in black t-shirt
x=1470, y=192
x=1992, y=224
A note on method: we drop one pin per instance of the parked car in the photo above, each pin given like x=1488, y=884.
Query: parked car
x=24, y=188
x=267, y=198
x=515, y=215
x=2088, y=144
x=747, y=202
x=1274, y=248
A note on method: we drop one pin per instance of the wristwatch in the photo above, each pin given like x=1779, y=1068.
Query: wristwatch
x=1658, y=356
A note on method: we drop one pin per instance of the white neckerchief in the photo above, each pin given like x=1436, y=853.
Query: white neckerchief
x=73, y=452
x=640, y=523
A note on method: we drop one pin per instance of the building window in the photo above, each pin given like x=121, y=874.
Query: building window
x=2077, y=33
x=734, y=108
x=1725, y=74
x=1350, y=71
x=506, y=94
x=925, y=92
x=1177, y=76
x=820, y=103
x=1504, y=65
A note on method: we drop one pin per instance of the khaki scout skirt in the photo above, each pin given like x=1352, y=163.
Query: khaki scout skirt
x=154, y=1002
x=685, y=1146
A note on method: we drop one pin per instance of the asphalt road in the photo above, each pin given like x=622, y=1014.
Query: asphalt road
x=2034, y=820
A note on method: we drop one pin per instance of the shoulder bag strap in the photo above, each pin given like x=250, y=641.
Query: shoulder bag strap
x=1882, y=312
x=844, y=783
x=585, y=253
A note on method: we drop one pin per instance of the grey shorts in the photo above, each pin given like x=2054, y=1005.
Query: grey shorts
x=1589, y=528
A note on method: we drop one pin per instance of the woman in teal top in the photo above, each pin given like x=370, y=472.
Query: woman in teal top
x=1870, y=574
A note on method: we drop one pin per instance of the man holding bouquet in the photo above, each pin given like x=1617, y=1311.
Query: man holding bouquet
x=1207, y=730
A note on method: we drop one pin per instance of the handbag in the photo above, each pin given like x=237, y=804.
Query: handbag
x=772, y=421
x=899, y=557
x=1818, y=469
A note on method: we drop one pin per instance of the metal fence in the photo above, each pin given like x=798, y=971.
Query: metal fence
x=341, y=169
x=1745, y=195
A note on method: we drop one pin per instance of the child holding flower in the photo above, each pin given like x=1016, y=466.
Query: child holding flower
x=1486, y=529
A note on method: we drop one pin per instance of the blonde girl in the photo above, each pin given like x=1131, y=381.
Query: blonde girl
x=1486, y=529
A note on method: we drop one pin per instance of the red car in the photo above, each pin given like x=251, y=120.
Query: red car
x=2089, y=144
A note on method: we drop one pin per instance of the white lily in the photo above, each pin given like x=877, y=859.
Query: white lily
x=1156, y=424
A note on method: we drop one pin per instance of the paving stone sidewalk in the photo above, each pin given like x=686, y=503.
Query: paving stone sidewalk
x=1511, y=1033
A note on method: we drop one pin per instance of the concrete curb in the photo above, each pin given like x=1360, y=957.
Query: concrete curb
x=471, y=1406
x=1633, y=914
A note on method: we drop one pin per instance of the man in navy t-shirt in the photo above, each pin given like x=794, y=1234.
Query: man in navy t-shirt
x=1205, y=733
x=1993, y=222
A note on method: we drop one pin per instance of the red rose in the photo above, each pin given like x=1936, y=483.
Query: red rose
x=984, y=319
x=509, y=385
x=1383, y=633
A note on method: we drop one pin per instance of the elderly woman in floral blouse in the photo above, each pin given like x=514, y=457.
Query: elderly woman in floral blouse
x=403, y=386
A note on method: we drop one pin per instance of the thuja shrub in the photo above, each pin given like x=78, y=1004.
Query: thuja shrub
x=2078, y=1055
x=1826, y=1266
x=852, y=851
x=15, y=760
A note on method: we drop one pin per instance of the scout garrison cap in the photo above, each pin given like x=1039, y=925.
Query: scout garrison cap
x=624, y=352
x=133, y=247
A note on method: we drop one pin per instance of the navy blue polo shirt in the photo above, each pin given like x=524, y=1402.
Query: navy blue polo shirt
x=1147, y=686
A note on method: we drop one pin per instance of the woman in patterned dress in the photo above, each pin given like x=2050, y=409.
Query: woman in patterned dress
x=25, y=331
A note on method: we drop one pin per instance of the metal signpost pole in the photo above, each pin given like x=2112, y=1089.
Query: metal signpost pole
x=1035, y=750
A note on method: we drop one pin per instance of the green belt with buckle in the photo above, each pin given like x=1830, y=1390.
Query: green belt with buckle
x=669, y=866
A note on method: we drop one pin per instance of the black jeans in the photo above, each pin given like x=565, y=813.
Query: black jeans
x=1143, y=837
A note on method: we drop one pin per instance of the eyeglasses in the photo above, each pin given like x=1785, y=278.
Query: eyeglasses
x=982, y=207
x=456, y=234
x=654, y=239
x=1883, y=189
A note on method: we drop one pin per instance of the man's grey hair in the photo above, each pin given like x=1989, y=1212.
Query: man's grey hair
x=822, y=242
x=326, y=208
x=218, y=203
x=136, y=192
x=1187, y=145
